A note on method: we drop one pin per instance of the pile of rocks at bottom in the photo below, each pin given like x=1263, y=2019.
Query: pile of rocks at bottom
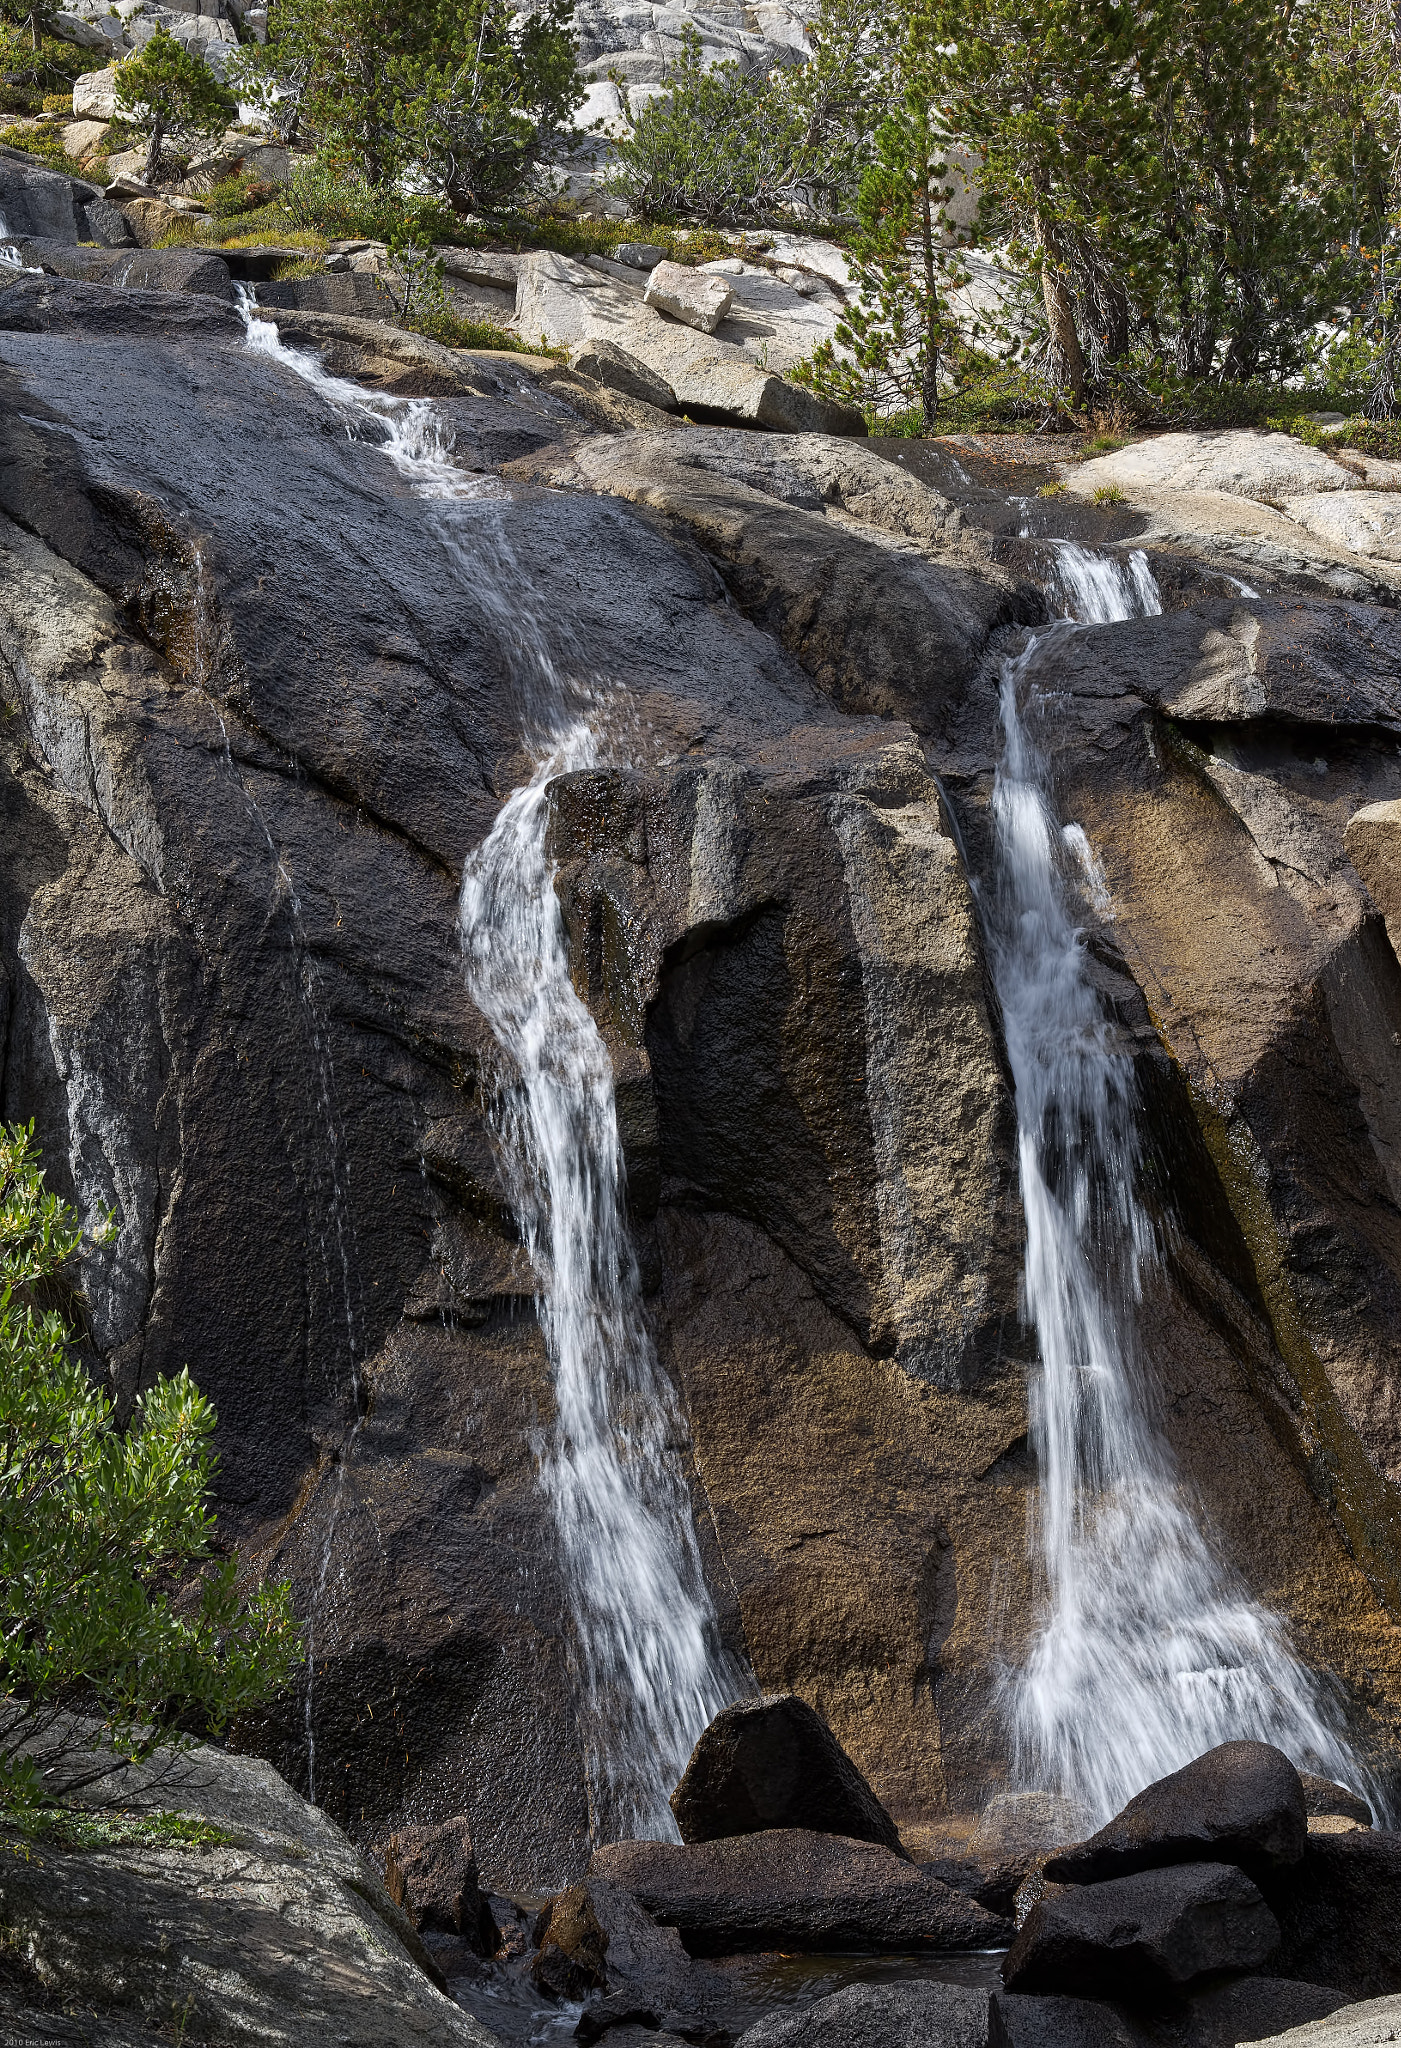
x=1212, y=1909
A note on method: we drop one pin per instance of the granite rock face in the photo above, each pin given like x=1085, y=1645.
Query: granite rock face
x=263, y=703
x=1136, y=1936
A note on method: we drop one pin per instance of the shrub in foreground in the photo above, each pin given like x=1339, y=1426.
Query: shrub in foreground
x=112, y=1599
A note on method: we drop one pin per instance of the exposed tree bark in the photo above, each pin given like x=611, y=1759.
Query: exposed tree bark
x=930, y=381
x=1067, y=357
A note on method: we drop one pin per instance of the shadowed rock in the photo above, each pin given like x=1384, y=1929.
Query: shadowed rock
x=1241, y=1803
x=880, y=2016
x=431, y=1872
x=774, y=1763
x=1322, y=1796
x=1143, y=1934
x=1218, y=2018
x=1339, y=1913
x=787, y=1888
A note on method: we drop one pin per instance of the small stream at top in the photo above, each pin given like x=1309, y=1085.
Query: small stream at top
x=1149, y=1651
x=649, y=1667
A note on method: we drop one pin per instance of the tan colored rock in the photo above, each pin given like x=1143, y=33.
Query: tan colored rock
x=1373, y=845
x=95, y=95
x=1243, y=463
x=690, y=296
x=1367, y=523
x=81, y=138
x=150, y=219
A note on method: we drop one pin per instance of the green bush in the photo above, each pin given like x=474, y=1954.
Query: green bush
x=721, y=146
x=173, y=96
x=227, y=198
x=112, y=1600
x=37, y=73
x=345, y=206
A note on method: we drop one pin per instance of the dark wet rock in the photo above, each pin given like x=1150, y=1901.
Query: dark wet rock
x=1339, y=1913
x=1240, y=1803
x=598, y=1944
x=132, y=269
x=1020, y=2020
x=37, y=201
x=354, y=292
x=431, y=1872
x=914, y=2015
x=1014, y=1836
x=790, y=1889
x=1322, y=1796
x=107, y=225
x=1246, y=2009
x=774, y=1763
x=1137, y=1935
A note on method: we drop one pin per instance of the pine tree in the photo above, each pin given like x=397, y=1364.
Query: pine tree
x=171, y=93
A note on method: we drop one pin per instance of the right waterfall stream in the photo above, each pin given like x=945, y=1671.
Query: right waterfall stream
x=1148, y=1650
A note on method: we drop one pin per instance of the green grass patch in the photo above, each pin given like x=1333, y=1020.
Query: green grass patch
x=44, y=146
x=67, y=1827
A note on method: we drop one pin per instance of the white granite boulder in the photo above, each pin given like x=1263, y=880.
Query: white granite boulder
x=691, y=296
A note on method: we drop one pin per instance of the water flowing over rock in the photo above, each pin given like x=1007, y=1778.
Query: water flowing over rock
x=1149, y=1654
x=278, y=651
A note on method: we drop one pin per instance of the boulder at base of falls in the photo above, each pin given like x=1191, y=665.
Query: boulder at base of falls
x=262, y=1925
x=597, y=1939
x=1013, y=1839
x=1240, y=1803
x=1218, y=2018
x=791, y=1889
x=774, y=1763
x=1152, y=1932
x=913, y=2015
x=431, y=1873
x=1339, y=1913
x=1322, y=1798
x=1372, y=843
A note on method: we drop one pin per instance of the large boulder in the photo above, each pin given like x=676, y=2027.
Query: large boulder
x=912, y=2015
x=774, y=1763
x=1239, y=2010
x=431, y=1872
x=95, y=95
x=1323, y=1799
x=34, y=201
x=1132, y=1936
x=790, y=1889
x=616, y=370
x=259, y=1917
x=1241, y=463
x=714, y=376
x=1240, y=1803
x=690, y=296
x=1339, y=1913
x=597, y=1939
x=1015, y=1834
x=150, y=270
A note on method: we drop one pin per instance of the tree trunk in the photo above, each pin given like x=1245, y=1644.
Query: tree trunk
x=930, y=393
x=153, y=151
x=1067, y=357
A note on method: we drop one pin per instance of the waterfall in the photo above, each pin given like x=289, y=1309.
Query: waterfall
x=650, y=1668
x=1149, y=1651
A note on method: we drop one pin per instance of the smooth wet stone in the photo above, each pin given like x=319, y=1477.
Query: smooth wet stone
x=915, y=2015
x=787, y=1888
x=774, y=1763
x=431, y=1872
x=1154, y=1931
x=1240, y=1803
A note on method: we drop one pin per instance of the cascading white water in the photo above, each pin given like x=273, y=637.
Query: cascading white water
x=1150, y=1651
x=652, y=1671
x=650, y=1665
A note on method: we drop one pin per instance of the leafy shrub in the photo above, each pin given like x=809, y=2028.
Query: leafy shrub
x=44, y=144
x=242, y=193
x=111, y=1596
x=36, y=74
x=173, y=95
x=721, y=146
x=345, y=206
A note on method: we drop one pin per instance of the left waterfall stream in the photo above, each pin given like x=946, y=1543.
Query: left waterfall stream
x=649, y=1667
